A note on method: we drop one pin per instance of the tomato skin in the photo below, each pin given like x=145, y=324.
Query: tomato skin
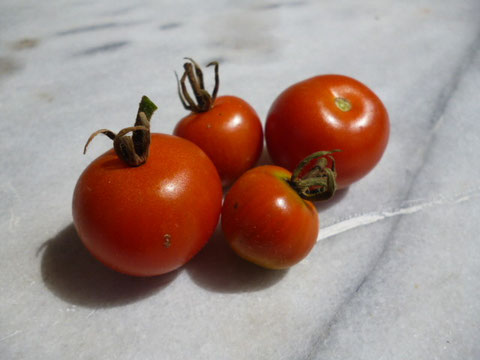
x=151, y=219
x=305, y=118
x=230, y=133
x=266, y=222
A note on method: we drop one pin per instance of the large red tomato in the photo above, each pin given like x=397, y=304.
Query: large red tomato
x=328, y=112
x=152, y=218
x=227, y=128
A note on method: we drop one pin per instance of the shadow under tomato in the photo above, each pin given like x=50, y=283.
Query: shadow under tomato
x=264, y=158
x=218, y=268
x=75, y=276
x=324, y=205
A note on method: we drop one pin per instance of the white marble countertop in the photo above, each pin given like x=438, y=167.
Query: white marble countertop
x=396, y=271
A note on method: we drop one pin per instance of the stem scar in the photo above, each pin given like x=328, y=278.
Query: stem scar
x=343, y=104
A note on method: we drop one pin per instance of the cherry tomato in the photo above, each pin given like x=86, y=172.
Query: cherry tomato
x=227, y=128
x=328, y=112
x=152, y=218
x=266, y=219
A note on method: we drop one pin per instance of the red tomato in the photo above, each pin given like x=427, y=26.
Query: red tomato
x=266, y=221
x=227, y=128
x=328, y=112
x=149, y=219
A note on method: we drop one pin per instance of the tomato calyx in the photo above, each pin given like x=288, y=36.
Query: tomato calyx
x=318, y=182
x=133, y=150
x=194, y=74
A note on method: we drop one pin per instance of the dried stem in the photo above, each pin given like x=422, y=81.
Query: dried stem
x=133, y=150
x=319, y=182
x=203, y=99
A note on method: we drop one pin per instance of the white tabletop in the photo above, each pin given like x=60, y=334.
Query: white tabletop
x=395, y=273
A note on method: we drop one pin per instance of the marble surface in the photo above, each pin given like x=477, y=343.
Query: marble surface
x=395, y=273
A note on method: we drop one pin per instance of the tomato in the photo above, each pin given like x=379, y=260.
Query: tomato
x=152, y=218
x=328, y=112
x=227, y=128
x=266, y=218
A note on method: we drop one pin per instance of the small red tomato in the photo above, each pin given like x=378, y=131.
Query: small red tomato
x=328, y=111
x=266, y=217
x=144, y=217
x=227, y=128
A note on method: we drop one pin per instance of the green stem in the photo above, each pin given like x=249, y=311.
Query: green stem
x=319, y=182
